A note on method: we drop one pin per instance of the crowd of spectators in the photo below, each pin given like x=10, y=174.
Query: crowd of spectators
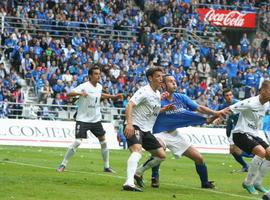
x=53, y=66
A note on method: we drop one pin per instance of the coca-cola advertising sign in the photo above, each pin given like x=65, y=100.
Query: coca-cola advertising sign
x=229, y=18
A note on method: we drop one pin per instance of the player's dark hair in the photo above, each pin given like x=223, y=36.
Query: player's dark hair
x=265, y=84
x=151, y=71
x=226, y=90
x=92, y=69
x=165, y=76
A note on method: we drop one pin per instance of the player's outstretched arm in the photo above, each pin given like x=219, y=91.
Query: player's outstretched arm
x=110, y=96
x=224, y=112
x=74, y=94
x=205, y=110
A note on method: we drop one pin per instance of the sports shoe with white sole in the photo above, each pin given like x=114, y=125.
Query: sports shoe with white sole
x=131, y=188
x=139, y=180
x=61, y=168
x=260, y=188
x=250, y=188
x=109, y=170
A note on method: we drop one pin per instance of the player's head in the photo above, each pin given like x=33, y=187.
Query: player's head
x=170, y=83
x=94, y=74
x=154, y=77
x=228, y=95
x=265, y=91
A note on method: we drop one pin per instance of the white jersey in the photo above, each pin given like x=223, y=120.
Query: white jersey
x=251, y=115
x=147, y=107
x=89, y=106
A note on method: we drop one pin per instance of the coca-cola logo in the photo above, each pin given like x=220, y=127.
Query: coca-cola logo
x=232, y=18
x=228, y=18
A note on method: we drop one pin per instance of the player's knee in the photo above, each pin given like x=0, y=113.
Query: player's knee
x=162, y=156
x=259, y=151
x=101, y=138
x=198, y=159
x=267, y=154
x=136, y=148
x=232, y=149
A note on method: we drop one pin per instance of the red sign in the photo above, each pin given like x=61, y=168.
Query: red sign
x=229, y=18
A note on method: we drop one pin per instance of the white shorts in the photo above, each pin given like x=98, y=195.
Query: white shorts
x=174, y=141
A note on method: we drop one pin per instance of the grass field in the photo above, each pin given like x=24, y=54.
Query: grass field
x=28, y=173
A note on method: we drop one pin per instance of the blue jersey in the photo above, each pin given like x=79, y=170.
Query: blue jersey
x=182, y=116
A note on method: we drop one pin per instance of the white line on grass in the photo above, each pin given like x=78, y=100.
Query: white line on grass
x=122, y=177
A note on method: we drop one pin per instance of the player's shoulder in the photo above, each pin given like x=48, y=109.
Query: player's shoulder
x=234, y=101
x=181, y=96
x=85, y=84
x=99, y=85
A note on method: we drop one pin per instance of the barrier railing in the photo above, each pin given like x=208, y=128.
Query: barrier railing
x=68, y=28
x=197, y=38
x=54, y=112
x=59, y=112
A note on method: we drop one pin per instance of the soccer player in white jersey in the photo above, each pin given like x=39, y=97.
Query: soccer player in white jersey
x=88, y=117
x=246, y=137
x=141, y=114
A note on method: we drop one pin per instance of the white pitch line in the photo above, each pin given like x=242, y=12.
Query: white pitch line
x=122, y=177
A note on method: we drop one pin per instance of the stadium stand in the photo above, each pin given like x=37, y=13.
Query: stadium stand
x=47, y=47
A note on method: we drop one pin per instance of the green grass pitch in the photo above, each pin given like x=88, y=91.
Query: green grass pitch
x=29, y=173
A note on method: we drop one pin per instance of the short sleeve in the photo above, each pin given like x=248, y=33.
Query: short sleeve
x=139, y=96
x=190, y=104
x=78, y=89
x=241, y=106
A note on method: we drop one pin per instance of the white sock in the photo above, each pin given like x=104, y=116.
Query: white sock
x=132, y=164
x=71, y=151
x=105, y=154
x=265, y=167
x=151, y=162
x=253, y=170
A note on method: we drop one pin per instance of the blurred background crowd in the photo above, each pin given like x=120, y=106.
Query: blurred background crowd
x=53, y=62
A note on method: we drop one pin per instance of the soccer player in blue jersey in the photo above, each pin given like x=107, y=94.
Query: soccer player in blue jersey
x=236, y=152
x=170, y=137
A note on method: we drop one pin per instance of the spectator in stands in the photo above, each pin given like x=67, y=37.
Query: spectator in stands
x=19, y=97
x=3, y=71
x=4, y=108
x=244, y=42
x=27, y=67
x=204, y=69
x=45, y=92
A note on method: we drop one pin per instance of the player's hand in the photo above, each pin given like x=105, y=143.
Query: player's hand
x=118, y=96
x=218, y=121
x=129, y=131
x=165, y=95
x=168, y=107
x=223, y=113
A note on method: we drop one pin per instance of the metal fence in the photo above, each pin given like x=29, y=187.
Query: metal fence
x=60, y=112
x=58, y=28
x=54, y=112
x=197, y=38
